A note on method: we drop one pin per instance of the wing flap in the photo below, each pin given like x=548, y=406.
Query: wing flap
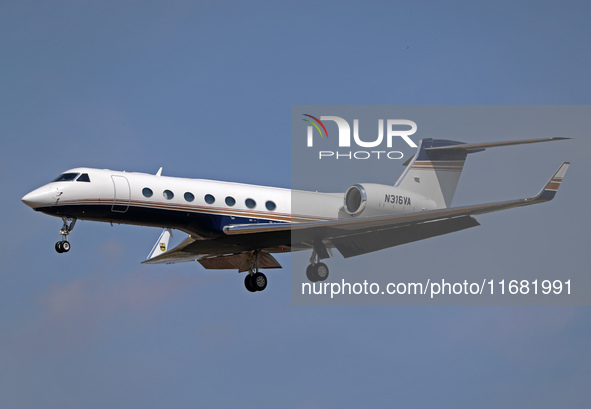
x=213, y=254
x=357, y=244
x=240, y=262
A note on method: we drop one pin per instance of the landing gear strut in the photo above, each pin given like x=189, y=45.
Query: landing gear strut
x=316, y=271
x=255, y=280
x=63, y=246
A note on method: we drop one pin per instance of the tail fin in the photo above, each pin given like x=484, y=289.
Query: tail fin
x=435, y=174
x=435, y=170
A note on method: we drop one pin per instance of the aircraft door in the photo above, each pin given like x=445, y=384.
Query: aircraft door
x=122, y=194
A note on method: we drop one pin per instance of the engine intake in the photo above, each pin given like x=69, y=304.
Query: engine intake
x=355, y=200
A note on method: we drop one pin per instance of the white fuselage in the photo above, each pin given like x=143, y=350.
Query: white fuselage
x=195, y=205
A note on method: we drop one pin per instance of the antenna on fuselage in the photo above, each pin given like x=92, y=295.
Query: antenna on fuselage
x=159, y=172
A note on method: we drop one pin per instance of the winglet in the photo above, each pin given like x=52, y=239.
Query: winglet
x=161, y=244
x=549, y=191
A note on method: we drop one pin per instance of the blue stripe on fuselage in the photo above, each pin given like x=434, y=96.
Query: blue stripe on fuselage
x=139, y=215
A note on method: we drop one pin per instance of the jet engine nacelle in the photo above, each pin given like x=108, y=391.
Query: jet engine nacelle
x=370, y=199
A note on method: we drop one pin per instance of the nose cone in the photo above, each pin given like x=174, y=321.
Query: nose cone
x=39, y=197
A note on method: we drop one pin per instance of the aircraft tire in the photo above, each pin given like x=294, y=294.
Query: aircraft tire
x=258, y=281
x=248, y=284
x=65, y=246
x=310, y=274
x=58, y=247
x=321, y=271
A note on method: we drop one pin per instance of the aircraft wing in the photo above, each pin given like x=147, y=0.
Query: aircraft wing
x=215, y=254
x=352, y=237
x=363, y=235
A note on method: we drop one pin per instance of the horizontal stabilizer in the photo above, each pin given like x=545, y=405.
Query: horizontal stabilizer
x=478, y=146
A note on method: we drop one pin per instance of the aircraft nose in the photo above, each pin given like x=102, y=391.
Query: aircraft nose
x=39, y=197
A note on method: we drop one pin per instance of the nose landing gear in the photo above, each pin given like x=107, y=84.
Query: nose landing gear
x=63, y=246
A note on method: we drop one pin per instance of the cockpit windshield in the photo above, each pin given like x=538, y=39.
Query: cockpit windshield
x=83, y=178
x=66, y=177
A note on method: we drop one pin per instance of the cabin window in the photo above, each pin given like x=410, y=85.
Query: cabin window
x=230, y=201
x=66, y=177
x=209, y=199
x=189, y=197
x=270, y=205
x=250, y=203
x=83, y=178
x=168, y=194
x=147, y=192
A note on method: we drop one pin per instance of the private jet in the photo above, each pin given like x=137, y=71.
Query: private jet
x=239, y=226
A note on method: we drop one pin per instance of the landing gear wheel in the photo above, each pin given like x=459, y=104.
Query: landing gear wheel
x=258, y=281
x=62, y=246
x=321, y=271
x=310, y=274
x=65, y=246
x=247, y=283
x=254, y=281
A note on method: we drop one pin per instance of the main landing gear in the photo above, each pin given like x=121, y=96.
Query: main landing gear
x=255, y=280
x=63, y=246
x=316, y=271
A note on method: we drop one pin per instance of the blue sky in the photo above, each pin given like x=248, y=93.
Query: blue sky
x=204, y=89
